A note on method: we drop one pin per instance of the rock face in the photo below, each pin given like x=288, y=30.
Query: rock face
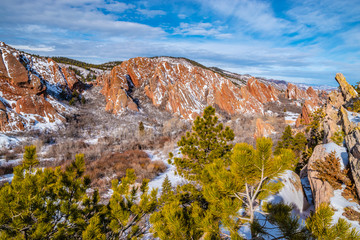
x=294, y=93
x=352, y=142
x=28, y=88
x=347, y=90
x=322, y=191
x=263, y=129
x=180, y=88
x=305, y=116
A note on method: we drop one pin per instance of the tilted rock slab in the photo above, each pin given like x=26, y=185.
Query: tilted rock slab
x=346, y=89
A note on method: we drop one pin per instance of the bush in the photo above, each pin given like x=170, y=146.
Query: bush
x=114, y=165
x=338, y=137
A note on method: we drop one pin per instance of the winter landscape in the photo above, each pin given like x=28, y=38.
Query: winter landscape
x=152, y=120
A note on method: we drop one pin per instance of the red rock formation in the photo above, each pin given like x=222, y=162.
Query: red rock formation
x=36, y=105
x=263, y=93
x=294, y=93
x=305, y=116
x=263, y=129
x=180, y=88
x=23, y=86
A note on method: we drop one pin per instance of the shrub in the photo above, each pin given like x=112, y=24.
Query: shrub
x=338, y=137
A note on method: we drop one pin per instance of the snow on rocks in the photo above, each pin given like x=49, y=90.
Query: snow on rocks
x=353, y=117
x=292, y=193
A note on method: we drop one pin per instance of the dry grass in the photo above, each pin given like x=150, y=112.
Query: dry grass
x=351, y=214
x=114, y=165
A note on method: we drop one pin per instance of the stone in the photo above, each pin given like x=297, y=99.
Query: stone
x=322, y=191
x=347, y=126
x=352, y=142
x=347, y=90
x=335, y=99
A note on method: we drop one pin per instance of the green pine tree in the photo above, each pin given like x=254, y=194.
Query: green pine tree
x=207, y=141
x=249, y=178
x=47, y=203
x=129, y=207
x=321, y=226
x=30, y=158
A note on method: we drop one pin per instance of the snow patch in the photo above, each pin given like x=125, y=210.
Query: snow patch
x=353, y=116
x=290, y=118
x=170, y=171
x=7, y=141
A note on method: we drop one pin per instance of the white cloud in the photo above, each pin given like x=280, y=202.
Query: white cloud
x=151, y=13
x=201, y=29
x=84, y=19
x=40, y=48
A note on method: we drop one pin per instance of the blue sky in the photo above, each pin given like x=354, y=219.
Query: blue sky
x=298, y=41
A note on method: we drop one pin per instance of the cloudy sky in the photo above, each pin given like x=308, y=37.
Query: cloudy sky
x=300, y=41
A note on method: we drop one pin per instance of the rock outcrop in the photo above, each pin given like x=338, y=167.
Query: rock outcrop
x=306, y=111
x=181, y=88
x=294, y=93
x=352, y=142
x=28, y=88
x=347, y=90
x=322, y=191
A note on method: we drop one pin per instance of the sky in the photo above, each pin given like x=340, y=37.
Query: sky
x=304, y=41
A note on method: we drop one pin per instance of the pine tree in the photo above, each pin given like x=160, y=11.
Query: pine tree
x=30, y=158
x=321, y=227
x=253, y=170
x=129, y=207
x=46, y=203
x=207, y=141
x=280, y=215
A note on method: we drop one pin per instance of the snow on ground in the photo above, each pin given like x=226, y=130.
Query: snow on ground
x=170, y=171
x=290, y=118
x=353, y=117
x=7, y=141
x=91, y=141
x=6, y=178
x=339, y=203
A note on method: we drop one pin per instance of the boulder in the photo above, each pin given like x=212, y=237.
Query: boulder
x=347, y=90
x=321, y=191
x=347, y=125
x=36, y=105
x=263, y=93
x=15, y=70
x=330, y=122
